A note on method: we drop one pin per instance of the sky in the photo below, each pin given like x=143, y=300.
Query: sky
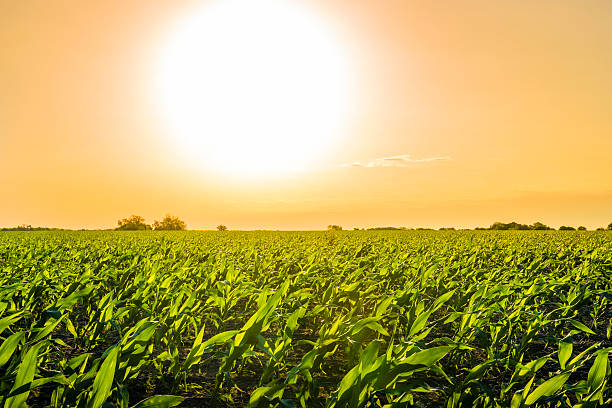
x=457, y=113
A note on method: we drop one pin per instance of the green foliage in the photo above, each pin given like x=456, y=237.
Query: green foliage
x=24, y=227
x=132, y=223
x=453, y=319
x=516, y=226
x=170, y=223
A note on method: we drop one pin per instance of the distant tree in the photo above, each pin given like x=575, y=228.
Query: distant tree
x=27, y=227
x=447, y=229
x=334, y=227
x=221, y=227
x=498, y=226
x=539, y=226
x=610, y=226
x=516, y=226
x=581, y=228
x=387, y=229
x=566, y=228
x=600, y=229
x=170, y=223
x=133, y=223
x=355, y=229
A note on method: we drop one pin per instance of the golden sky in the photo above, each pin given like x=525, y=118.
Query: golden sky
x=462, y=113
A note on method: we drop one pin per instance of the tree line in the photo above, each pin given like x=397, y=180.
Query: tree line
x=172, y=223
x=537, y=226
x=168, y=223
x=496, y=226
x=24, y=227
x=137, y=223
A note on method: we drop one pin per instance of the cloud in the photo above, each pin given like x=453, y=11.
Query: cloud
x=402, y=160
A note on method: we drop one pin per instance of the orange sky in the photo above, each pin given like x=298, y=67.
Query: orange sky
x=493, y=110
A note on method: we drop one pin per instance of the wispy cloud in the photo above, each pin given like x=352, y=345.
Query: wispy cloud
x=402, y=160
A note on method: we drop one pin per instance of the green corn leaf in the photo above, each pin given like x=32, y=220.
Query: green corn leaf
x=419, y=323
x=58, y=379
x=25, y=374
x=442, y=299
x=196, y=352
x=262, y=393
x=429, y=356
x=368, y=357
x=477, y=372
x=9, y=345
x=219, y=338
x=547, y=388
x=565, y=352
x=104, y=379
x=160, y=401
x=50, y=325
x=597, y=373
x=382, y=307
x=370, y=323
x=581, y=326
x=5, y=322
x=71, y=328
x=517, y=400
x=577, y=359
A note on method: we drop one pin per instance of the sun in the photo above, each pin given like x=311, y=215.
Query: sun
x=254, y=87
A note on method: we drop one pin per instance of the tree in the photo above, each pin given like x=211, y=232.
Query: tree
x=498, y=226
x=170, y=223
x=509, y=226
x=333, y=227
x=581, y=228
x=566, y=228
x=133, y=223
x=521, y=227
x=610, y=226
x=221, y=227
x=539, y=226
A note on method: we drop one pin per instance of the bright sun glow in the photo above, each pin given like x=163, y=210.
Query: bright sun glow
x=254, y=87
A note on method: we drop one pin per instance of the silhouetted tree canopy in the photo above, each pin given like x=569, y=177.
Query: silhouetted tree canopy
x=509, y=226
x=221, y=227
x=387, y=229
x=170, y=223
x=516, y=226
x=581, y=228
x=24, y=227
x=133, y=223
x=610, y=226
x=539, y=226
x=334, y=227
x=566, y=228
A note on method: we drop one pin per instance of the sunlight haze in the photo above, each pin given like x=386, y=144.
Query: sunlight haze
x=299, y=114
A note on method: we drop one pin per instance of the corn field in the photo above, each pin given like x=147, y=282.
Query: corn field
x=306, y=319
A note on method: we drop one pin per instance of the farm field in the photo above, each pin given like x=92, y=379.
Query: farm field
x=306, y=319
